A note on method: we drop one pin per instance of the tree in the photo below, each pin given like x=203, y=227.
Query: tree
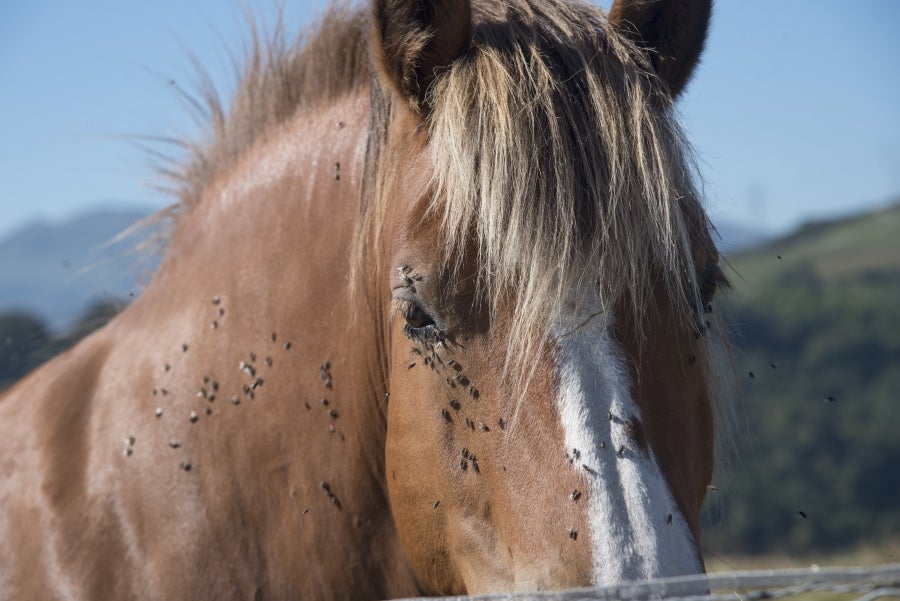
x=22, y=336
x=25, y=342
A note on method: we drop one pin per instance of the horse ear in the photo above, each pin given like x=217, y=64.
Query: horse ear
x=671, y=31
x=414, y=38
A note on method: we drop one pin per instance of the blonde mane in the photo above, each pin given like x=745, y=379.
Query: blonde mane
x=554, y=144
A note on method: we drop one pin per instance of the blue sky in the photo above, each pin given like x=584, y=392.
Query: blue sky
x=794, y=111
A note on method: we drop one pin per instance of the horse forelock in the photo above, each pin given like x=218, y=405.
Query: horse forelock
x=554, y=143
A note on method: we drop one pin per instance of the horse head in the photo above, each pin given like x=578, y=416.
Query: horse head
x=550, y=420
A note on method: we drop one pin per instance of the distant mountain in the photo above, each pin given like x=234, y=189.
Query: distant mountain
x=57, y=271
x=731, y=237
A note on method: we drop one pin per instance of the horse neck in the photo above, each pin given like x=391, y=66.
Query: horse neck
x=262, y=260
x=254, y=286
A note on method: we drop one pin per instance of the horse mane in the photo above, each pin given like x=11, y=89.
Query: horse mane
x=278, y=77
x=554, y=144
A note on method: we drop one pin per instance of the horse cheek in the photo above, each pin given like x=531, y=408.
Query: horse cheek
x=417, y=432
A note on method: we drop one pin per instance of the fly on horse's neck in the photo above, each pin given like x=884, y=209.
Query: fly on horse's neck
x=434, y=317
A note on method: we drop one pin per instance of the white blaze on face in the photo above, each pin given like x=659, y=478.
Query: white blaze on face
x=629, y=499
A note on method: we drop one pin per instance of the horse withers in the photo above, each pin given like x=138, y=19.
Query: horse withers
x=433, y=318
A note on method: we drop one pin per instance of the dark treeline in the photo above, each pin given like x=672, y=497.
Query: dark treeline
x=26, y=342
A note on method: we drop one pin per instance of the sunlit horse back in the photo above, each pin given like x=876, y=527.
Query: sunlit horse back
x=434, y=317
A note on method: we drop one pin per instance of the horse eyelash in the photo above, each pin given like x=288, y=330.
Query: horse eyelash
x=403, y=308
x=400, y=308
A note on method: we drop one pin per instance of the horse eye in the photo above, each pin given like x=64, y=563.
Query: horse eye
x=417, y=318
x=419, y=324
x=711, y=281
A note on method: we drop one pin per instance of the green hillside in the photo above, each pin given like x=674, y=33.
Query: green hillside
x=839, y=250
x=815, y=450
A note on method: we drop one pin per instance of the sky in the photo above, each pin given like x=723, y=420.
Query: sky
x=794, y=112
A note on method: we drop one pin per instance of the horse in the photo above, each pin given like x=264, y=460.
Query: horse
x=434, y=316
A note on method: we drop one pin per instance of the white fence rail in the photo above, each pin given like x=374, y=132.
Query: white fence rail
x=876, y=583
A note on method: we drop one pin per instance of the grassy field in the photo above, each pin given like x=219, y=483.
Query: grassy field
x=864, y=556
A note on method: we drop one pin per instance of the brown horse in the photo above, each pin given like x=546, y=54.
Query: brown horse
x=433, y=318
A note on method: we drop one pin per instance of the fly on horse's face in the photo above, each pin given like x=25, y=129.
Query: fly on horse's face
x=531, y=451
